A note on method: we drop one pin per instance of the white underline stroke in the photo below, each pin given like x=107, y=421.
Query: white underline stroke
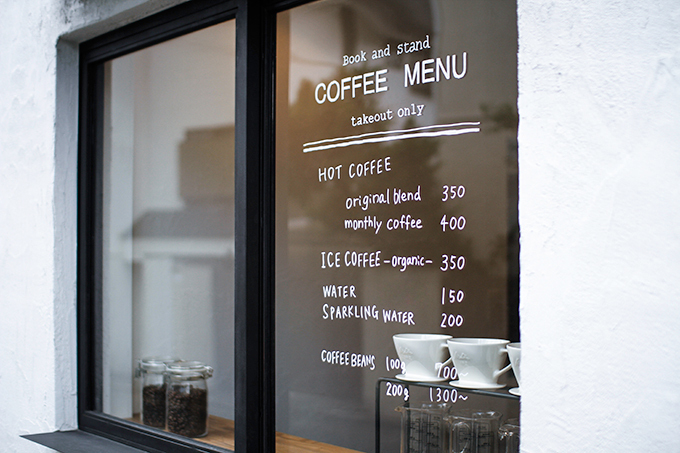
x=399, y=131
x=449, y=132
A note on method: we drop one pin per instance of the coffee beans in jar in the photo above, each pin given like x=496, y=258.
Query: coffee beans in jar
x=152, y=372
x=187, y=398
x=153, y=405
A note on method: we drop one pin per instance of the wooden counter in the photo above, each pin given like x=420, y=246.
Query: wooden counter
x=221, y=434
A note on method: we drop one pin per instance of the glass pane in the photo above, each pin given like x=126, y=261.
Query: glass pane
x=168, y=233
x=396, y=187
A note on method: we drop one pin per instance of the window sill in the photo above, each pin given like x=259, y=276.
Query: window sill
x=221, y=435
x=79, y=442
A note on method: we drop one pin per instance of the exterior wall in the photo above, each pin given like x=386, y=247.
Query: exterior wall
x=38, y=113
x=599, y=164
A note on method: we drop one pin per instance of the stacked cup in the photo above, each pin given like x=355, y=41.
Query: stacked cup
x=479, y=362
x=515, y=354
x=423, y=355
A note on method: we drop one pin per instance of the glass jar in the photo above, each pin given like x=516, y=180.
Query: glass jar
x=473, y=431
x=152, y=372
x=509, y=436
x=423, y=429
x=187, y=398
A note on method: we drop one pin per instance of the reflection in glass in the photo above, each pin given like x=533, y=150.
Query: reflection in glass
x=336, y=316
x=168, y=226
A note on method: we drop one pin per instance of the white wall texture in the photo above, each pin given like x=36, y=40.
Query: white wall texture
x=599, y=142
x=38, y=112
x=599, y=166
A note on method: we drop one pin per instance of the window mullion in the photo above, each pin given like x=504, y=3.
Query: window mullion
x=254, y=340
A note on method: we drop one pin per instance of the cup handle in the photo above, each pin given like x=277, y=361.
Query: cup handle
x=441, y=365
x=447, y=362
x=504, y=370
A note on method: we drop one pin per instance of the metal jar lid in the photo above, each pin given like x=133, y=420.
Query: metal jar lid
x=156, y=364
x=189, y=369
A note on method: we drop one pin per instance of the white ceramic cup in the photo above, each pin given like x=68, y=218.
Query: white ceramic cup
x=478, y=361
x=515, y=355
x=422, y=354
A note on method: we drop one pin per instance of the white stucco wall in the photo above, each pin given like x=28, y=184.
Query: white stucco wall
x=26, y=240
x=599, y=195
x=599, y=142
x=38, y=112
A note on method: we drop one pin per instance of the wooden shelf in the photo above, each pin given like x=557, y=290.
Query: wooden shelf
x=221, y=434
x=285, y=443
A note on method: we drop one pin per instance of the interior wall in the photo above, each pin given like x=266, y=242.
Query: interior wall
x=599, y=165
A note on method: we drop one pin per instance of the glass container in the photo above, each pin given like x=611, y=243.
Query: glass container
x=472, y=431
x=152, y=372
x=423, y=429
x=187, y=398
x=509, y=436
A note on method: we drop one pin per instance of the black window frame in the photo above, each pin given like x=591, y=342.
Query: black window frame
x=254, y=212
x=254, y=229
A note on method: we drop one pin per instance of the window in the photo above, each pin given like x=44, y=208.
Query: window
x=158, y=215
x=275, y=191
x=396, y=183
x=168, y=224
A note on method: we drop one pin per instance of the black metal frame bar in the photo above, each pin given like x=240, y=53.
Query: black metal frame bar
x=254, y=349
